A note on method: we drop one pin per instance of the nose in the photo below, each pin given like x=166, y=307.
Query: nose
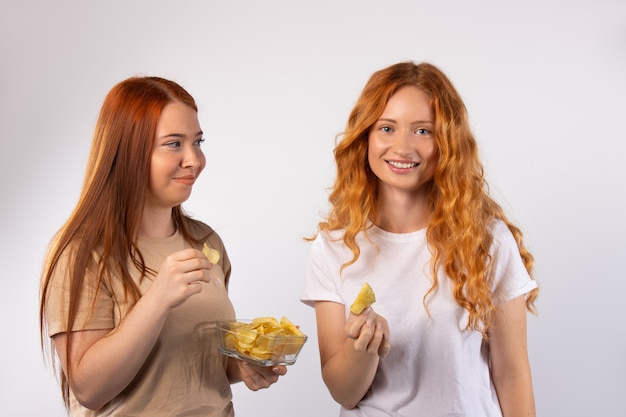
x=192, y=157
x=403, y=141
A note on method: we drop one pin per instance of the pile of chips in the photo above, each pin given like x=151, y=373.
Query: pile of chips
x=265, y=338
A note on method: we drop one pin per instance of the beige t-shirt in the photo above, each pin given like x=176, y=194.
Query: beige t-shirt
x=184, y=375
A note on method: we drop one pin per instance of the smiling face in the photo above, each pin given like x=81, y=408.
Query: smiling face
x=402, y=151
x=177, y=158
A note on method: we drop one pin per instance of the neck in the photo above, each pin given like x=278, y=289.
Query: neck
x=157, y=223
x=401, y=212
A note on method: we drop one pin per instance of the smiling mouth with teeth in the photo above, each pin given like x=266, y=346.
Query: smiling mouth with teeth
x=403, y=165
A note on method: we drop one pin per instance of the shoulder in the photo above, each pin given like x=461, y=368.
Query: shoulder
x=502, y=235
x=498, y=227
x=329, y=240
x=203, y=233
x=200, y=231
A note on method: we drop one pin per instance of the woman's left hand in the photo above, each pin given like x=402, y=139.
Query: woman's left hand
x=258, y=377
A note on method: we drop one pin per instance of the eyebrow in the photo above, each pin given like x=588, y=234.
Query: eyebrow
x=181, y=135
x=416, y=122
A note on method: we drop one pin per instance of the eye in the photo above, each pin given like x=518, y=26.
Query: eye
x=386, y=129
x=172, y=144
x=198, y=142
x=422, y=131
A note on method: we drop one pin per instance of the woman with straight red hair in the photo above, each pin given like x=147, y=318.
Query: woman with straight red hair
x=128, y=298
x=411, y=215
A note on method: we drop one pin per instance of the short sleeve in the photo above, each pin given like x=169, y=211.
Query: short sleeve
x=510, y=277
x=95, y=308
x=320, y=284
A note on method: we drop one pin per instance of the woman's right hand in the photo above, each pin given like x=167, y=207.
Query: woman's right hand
x=350, y=350
x=180, y=277
x=370, y=332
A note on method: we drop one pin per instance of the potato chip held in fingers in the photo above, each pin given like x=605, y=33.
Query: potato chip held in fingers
x=211, y=254
x=364, y=299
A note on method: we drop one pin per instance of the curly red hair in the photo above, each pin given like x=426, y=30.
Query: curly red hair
x=461, y=209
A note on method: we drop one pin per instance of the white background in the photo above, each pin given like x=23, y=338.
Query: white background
x=544, y=82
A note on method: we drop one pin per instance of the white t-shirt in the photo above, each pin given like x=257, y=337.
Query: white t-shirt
x=436, y=367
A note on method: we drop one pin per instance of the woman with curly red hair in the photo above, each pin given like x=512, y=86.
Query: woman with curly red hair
x=128, y=299
x=412, y=216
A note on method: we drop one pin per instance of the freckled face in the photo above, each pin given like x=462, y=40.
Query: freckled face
x=177, y=158
x=402, y=151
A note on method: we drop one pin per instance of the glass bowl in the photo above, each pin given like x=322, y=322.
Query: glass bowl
x=235, y=339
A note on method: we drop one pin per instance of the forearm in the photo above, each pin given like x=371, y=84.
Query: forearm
x=349, y=374
x=232, y=371
x=515, y=394
x=113, y=361
x=510, y=367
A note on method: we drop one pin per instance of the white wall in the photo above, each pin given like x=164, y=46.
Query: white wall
x=275, y=80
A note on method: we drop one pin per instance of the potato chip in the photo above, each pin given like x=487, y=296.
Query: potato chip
x=289, y=327
x=211, y=254
x=245, y=337
x=364, y=299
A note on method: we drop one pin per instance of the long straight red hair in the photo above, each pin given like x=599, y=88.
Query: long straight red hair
x=461, y=209
x=107, y=216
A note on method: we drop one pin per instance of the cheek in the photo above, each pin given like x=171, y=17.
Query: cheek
x=157, y=171
x=374, y=149
x=371, y=155
x=433, y=161
x=152, y=179
x=374, y=161
x=431, y=152
x=202, y=160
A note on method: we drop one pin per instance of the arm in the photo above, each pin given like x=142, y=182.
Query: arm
x=349, y=350
x=232, y=371
x=510, y=367
x=103, y=362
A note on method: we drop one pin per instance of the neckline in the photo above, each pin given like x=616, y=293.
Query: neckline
x=168, y=239
x=408, y=236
